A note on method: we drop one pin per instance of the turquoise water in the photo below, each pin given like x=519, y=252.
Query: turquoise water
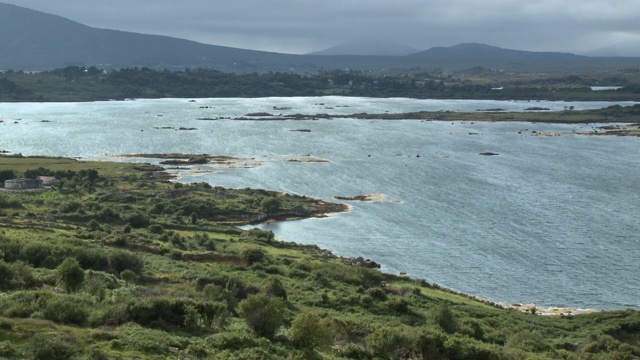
x=552, y=220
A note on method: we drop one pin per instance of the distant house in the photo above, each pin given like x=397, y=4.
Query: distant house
x=23, y=184
x=47, y=180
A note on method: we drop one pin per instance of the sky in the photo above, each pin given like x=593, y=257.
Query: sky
x=302, y=26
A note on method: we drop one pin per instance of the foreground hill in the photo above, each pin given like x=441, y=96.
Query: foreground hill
x=114, y=262
x=32, y=40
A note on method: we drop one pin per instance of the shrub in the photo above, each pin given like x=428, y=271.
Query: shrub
x=175, y=254
x=377, y=294
x=156, y=229
x=6, y=276
x=445, y=319
x=138, y=220
x=23, y=303
x=107, y=214
x=66, y=310
x=121, y=260
x=8, y=350
x=388, y=342
x=309, y=332
x=70, y=274
x=51, y=347
x=230, y=340
x=94, y=259
x=9, y=203
x=217, y=293
x=70, y=207
x=128, y=276
x=354, y=351
x=398, y=305
x=253, y=255
x=134, y=337
x=275, y=288
x=263, y=314
x=528, y=341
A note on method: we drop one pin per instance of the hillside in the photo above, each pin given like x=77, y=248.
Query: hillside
x=487, y=52
x=33, y=40
x=113, y=262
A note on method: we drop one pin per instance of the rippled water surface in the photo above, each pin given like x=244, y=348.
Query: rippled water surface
x=551, y=220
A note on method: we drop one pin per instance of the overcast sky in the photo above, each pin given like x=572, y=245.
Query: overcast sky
x=301, y=26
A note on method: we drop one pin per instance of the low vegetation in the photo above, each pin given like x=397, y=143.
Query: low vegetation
x=116, y=262
x=75, y=83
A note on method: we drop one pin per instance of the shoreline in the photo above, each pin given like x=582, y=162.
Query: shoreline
x=525, y=308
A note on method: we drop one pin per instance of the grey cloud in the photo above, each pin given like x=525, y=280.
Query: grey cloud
x=301, y=25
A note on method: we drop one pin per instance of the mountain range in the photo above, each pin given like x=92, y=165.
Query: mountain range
x=32, y=40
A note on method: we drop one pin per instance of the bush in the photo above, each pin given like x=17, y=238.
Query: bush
x=70, y=207
x=263, y=314
x=134, y=337
x=70, y=275
x=253, y=255
x=156, y=229
x=51, y=347
x=388, y=342
x=398, y=305
x=528, y=341
x=354, y=351
x=94, y=259
x=309, y=332
x=445, y=319
x=94, y=225
x=377, y=294
x=24, y=303
x=6, y=276
x=128, y=276
x=66, y=310
x=9, y=203
x=230, y=340
x=138, y=220
x=275, y=288
x=8, y=350
x=121, y=260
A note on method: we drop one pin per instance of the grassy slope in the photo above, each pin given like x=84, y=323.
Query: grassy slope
x=126, y=319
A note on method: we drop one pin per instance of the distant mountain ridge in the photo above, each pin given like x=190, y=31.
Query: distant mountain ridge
x=33, y=40
x=483, y=51
x=36, y=40
x=368, y=48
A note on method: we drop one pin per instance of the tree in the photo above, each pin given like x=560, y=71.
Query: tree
x=263, y=314
x=309, y=332
x=70, y=274
x=7, y=175
x=270, y=204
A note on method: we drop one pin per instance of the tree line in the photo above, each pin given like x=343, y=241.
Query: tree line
x=75, y=83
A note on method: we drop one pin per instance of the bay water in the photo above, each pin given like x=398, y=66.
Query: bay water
x=551, y=220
